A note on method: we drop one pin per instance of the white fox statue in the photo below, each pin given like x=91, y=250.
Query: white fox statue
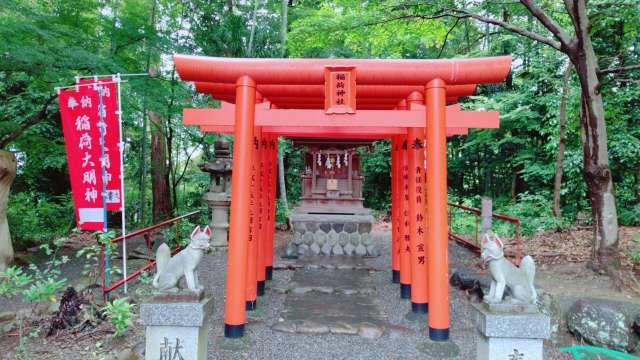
x=169, y=269
x=504, y=273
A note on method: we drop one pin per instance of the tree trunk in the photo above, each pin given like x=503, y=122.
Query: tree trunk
x=172, y=160
x=637, y=177
x=143, y=168
x=283, y=27
x=281, y=182
x=594, y=146
x=514, y=185
x=562, y=118
x=592, y=119
x=145, y=125
x=486, y=213
x=283, y=47
x=159, y=173
x=7, y=175
x=252, y=32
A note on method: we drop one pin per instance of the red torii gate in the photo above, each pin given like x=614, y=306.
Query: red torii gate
x=398, y=99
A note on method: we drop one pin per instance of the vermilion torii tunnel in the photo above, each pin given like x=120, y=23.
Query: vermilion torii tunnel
x=411, y=102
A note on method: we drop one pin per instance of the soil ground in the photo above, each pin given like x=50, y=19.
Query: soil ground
x=365, y=281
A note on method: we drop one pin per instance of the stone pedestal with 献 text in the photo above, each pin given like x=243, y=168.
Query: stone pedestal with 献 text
x=510, y=334
x=176, y=330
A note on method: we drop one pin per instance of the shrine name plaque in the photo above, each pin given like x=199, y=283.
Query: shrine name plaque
x=340, y=90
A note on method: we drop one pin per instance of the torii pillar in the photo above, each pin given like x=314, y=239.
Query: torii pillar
x=417, y=200
x=396, y=233
x=437, y=235
x=234, y=309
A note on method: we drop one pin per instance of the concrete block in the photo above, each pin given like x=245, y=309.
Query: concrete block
x=176, y=328
x=326, y=227
x=343, y=238
x=510, y=335
x=512, y=325
x=337, y=227
x=320, y=237
x=509, y=348
x=307, y=238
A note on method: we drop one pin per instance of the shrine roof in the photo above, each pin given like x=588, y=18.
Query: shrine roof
x=339, y=98
x=368, y=71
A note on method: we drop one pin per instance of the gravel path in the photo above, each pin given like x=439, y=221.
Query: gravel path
x=400, y=340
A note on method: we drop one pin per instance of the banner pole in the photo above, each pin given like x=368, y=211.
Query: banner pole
x=122, y=213
x=105, y=227
x=119, y=75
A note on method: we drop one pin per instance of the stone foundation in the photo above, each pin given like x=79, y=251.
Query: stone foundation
x=176, y=330
x=510, y=332
x=332, y=234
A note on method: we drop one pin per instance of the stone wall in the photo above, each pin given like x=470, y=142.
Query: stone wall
x=331, y=234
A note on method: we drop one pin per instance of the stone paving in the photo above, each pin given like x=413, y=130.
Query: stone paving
x=322, y=301
x=332, y=297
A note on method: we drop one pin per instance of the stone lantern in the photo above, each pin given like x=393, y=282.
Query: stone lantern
x=219, y=195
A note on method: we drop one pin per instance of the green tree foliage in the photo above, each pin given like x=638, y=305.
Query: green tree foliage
x=313, y=32
x=376, y=168
x=513, y=164
x=44, y=44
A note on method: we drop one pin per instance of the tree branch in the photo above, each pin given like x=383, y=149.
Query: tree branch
x=510, y=27
x=548, y=22
x=7, y=138
x=186, y=163
x=463, y=14
x=400, y=17
x=444, y=43
x=619, y=69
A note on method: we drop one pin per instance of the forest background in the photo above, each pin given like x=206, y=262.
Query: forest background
x=535, y=157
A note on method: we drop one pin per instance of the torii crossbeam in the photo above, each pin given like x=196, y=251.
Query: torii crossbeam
x=404, y=100
x=297, y=122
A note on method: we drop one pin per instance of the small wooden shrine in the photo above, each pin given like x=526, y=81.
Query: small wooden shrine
x=332, y=180
x=331, y=218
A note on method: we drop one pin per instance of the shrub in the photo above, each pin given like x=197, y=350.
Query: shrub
x=533, y=210
x=376, y=170
x=282, y=213
x=629, y=216
x=13, y=280
x=35, y=219
x=36, y=285
x=120, y=314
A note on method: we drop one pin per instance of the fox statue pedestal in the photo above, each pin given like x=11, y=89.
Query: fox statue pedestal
x=176, y=318
x=174, y=328
x=510, y=327
x=510, y=333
